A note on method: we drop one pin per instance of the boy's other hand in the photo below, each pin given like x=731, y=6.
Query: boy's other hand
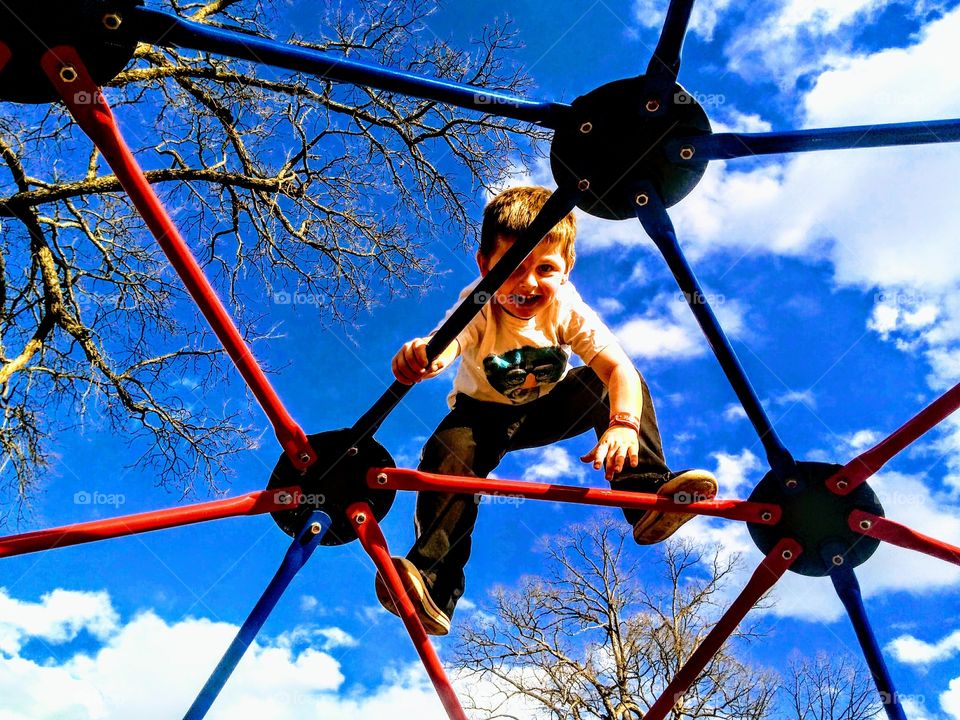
x=410, y=364
x=617, y=446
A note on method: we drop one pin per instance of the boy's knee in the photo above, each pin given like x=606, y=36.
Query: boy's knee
x=450, y=452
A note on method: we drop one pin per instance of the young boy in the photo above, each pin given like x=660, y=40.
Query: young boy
x=515, y=389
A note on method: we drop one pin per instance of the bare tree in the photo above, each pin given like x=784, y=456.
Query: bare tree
x=825, y=688
x=601, y=633
x=588, y=640
x=282, y=183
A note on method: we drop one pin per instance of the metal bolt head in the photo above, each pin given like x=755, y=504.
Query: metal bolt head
x=360, y=518
x=586, y=127
x=866, y=524
x=787, y=554
x=351, y=452
x=686, y=152
x=583, y=185
x=842, y=484
x=837, y=560
x=315, y=528
x=653, y=105
x=766, y=516
x=68, y=73
x=791, y=483
x=641, y=199
x=381, y=479
x=111, y=21
x=304, y=457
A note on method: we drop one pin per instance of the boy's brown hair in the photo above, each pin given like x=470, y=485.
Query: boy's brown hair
x=512, y=211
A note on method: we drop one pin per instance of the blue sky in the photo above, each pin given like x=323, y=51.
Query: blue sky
x=835, y=274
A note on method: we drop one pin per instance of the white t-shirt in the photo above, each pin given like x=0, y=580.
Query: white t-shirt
x=512, y=360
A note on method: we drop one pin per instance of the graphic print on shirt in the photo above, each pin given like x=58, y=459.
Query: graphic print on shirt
x=520, y=374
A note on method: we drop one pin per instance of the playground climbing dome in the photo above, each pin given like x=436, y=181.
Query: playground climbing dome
x=627, y=150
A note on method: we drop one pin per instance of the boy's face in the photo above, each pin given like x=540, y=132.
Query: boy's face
x=534, y=285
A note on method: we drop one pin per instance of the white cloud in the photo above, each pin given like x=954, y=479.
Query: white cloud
x=553, y=462
x=857, y=208
x=907, y=499
x=703, y=18
x=58, y=617
x=653, y=338
x=794, y=397
x=883, y=218
x=308, y=603
x=735, y=121
x=734, y=412
x=914, y=707
x=795, y=37
x=950, y=700
x=669, y=330
x=328, y=637
x=736, y=473
x=862, y=439
x=150, y=668
x=912, y=651
x=609, y=306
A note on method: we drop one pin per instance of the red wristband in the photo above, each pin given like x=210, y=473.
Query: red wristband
x=625, y=420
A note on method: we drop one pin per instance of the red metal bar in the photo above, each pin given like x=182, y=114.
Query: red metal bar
x=254, y=503
x=855, y=472
x=894, y=533
x=404, y=479
x=371, y=537
x=5, y=55
x=774, y=565
x=88, y=106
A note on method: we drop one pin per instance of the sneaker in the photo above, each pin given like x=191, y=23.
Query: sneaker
x=685, y=486
x=434, y=620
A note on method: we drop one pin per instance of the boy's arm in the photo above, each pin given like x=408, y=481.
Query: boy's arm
x=620, y=442
x=410, y=363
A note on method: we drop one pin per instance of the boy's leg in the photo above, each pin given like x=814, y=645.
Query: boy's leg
x=469, y=442
x=581, y=401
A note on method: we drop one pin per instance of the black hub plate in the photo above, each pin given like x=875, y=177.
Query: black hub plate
x=335, y=481
x=30, y=27
x=624, y=146
x=816, y=518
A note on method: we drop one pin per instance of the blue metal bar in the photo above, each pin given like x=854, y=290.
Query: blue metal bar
x=723, y=146
x=297, y=555
x=653, y=215
x=159, y=28
x=847, y=587
x=666, y=57
x=554, y=210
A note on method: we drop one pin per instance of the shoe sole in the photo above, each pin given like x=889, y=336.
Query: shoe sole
x=657, y=526
x=433, y=619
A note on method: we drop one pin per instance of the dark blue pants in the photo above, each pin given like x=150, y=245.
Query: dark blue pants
x=474, y=437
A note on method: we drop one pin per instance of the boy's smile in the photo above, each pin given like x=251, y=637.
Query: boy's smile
x=533, y=285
